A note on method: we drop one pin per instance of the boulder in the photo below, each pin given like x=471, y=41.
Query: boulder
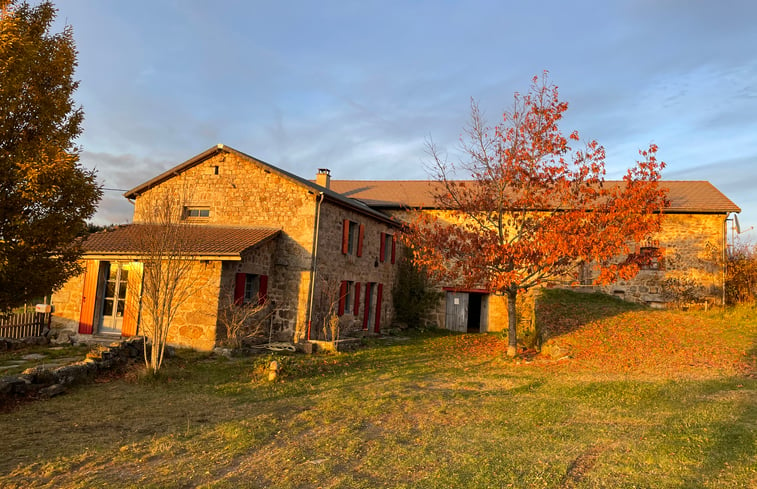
x=53, y=390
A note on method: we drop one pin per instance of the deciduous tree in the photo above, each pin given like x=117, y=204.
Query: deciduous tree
x=171, y=274
x=45, y=194
x=534, y=207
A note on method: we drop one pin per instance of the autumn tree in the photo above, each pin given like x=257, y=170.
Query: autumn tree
x=534, y=207
x=45, y=194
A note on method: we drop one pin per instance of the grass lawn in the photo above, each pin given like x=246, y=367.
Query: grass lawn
x=645, y=399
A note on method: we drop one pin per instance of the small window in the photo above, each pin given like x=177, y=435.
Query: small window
x=250, y=289
x=352, y=238
x=346, y=298
x=197, y=212
x=387, y=248
x=650, y=258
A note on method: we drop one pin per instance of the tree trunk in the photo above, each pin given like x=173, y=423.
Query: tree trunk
x=512, y=320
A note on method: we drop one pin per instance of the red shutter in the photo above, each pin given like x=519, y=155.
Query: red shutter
x=357, y=298
x=367, y=305
x=263, y=290
x=394, y=246
x=360, y=240
x=240, y=282
x=342, y=297
x=131, y=308
x=345, y=236
x=379, y=293
x=382, y=247
x=89, y=297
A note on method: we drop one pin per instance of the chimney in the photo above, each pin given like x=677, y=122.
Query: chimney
x=323, y=178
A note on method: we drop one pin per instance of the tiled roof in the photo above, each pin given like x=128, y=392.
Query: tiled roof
x=201, y=240
x=684, y=196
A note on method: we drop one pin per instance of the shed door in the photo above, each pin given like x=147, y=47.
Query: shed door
x=457, y=311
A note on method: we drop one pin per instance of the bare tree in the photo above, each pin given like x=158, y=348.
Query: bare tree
x=166, y=247
x=242, y=321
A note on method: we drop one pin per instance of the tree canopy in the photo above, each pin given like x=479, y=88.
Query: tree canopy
x=533, y=208
x=46, y=196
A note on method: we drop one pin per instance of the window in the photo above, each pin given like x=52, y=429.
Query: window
x=196, y=212
x=250, y=288
x=387, y=248
x=348, y=301
x=651, y=258
x=352, y=238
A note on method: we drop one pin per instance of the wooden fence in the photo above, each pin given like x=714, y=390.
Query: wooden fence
x=22, y=325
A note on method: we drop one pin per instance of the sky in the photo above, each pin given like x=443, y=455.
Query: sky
x=360, y=87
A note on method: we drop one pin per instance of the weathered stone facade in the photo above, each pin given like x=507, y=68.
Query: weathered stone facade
x=223, y=187
x=692, y=246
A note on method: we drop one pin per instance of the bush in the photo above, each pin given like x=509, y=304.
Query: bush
x=741, y=274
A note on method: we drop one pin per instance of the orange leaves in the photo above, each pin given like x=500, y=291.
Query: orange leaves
x=534, y=207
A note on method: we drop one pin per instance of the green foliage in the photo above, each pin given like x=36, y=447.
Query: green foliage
x=45, y=194
x=413, y=294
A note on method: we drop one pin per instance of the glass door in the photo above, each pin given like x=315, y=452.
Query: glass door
x=114, y=299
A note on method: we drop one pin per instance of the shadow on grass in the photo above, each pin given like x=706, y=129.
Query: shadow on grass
x=560, y=311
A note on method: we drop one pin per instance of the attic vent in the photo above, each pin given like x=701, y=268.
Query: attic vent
x=323, y=178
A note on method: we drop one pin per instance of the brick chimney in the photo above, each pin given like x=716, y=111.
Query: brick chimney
x=323, y=178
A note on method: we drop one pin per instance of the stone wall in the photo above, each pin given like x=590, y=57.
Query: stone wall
x=333, y=266
x=239, y=192
x=66, y=303
x=692, y=245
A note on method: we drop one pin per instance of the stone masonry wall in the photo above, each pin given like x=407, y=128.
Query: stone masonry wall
x=334, y=266
x=66, y=303
x=692, y=244
x=689, y=242
x=241, y=193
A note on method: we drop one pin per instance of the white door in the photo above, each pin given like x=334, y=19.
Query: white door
x=114, y=299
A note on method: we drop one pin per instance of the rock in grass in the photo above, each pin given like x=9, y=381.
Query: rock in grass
x=52, y=391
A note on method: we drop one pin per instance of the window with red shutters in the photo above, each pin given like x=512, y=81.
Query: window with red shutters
x=250, y=288
x=352, y=238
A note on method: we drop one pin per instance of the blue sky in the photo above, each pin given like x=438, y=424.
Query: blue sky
x=359, y=87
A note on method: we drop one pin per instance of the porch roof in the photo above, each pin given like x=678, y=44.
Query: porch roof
x=197, y=241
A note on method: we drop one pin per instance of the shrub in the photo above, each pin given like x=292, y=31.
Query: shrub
x=741, y=273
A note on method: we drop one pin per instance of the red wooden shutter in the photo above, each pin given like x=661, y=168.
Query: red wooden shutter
x=89, y=297
x=133, y=293
x=239, y=283
x=263, y=290
x=342, y=297
x=357, y=298
x=345, y=236
x=367, y=305
x=382, y=247
x=379, y=293
x=360, y=240
x=394, y=246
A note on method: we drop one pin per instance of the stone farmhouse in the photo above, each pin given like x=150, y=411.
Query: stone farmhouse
x=313, y=248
